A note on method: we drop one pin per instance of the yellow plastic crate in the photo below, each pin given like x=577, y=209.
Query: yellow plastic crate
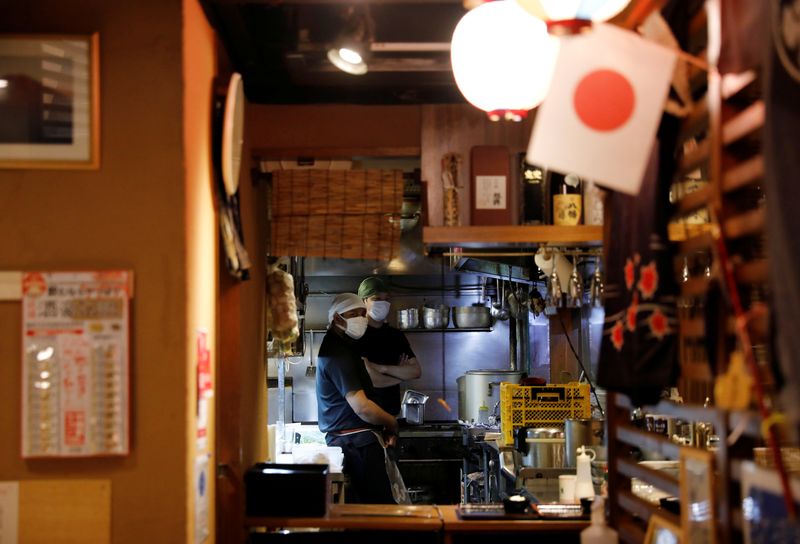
x=533, y=406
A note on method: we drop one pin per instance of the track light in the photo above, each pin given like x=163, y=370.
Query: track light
x=349, y=52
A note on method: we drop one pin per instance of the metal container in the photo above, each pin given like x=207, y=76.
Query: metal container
x=482, y=388
x=435, y=317
x=578, y=432
x=545, y=448
x=462, y=398
x=408, y=318
x=470, y=317
x=413, y=407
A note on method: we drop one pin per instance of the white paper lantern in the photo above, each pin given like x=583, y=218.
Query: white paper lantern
x=560, y=10
x=502, y=59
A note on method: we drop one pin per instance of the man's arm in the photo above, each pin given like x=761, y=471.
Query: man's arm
x=407, y=369
x=378, y=378
x=369, y=411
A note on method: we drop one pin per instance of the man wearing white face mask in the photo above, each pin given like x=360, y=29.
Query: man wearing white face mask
x=344, y=409
x=386, y=351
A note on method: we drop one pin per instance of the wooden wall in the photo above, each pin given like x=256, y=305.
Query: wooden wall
x=457, y=128
x=130, y=213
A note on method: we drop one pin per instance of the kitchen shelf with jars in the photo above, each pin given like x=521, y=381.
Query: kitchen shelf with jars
x=517, y=206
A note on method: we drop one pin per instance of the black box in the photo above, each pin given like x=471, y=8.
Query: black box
x=281, y=490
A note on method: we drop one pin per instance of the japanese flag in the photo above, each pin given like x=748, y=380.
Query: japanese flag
x=601, y=114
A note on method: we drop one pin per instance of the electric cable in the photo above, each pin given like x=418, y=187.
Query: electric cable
x=583, y=368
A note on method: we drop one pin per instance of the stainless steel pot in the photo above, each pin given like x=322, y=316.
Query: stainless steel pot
x=545, y=448
x=408, y=318
x=578, y=433
x=482, y=388
x=462, y=397
x=469, y=317
x=435, y=317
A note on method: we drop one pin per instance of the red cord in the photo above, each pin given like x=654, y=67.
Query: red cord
x=747, y=347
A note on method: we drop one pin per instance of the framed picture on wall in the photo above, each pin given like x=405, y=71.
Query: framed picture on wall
x=698, y=518
x=765, y=519
x=661, y=531
x=49, y=101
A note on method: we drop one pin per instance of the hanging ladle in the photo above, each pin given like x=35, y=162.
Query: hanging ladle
x=501, y=312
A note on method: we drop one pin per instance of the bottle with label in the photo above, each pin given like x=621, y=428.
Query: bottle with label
x=567, y=199
x=533, y=187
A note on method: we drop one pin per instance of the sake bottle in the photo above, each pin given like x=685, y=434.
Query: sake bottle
x=567, y=200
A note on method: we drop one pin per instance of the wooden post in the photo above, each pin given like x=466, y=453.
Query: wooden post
x=562, y=360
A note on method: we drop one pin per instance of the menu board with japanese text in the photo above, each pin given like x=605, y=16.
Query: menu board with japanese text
x=75, y=363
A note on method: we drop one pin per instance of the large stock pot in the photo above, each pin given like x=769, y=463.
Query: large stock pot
x=482, y=388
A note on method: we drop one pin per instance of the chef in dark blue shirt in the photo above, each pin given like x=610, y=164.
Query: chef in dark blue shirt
x=386, y=351
x=345, y=412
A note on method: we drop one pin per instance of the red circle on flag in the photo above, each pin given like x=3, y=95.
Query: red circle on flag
x=604, y=100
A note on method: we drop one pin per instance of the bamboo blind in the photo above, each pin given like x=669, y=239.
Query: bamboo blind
x=337, y=213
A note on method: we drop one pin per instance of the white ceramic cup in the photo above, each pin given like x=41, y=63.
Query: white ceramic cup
x=566, y=488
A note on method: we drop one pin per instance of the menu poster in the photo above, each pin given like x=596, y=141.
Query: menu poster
x=75, y=365
x=205, y=389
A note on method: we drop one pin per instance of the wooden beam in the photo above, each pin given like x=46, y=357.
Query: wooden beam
x=266, y=153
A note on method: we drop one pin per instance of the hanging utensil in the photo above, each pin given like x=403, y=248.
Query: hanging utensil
x=537, y=303
x=575, y=287
x=311, y=370
x=553, y=300
x=504, y=311
x=500, y=311
x=596, y=287
x=513, y=304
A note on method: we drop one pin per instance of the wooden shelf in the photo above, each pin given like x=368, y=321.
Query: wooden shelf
x=513, y=235
x=745, y=224
x=749, y=120
x=692, y=201
x=743, y=174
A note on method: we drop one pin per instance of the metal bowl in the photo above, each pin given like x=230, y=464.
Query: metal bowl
x=435, y=317
x=471, y=317
x=408, y=318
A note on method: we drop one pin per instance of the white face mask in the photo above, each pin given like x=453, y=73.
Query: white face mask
x=356, y=326
x=379, y=309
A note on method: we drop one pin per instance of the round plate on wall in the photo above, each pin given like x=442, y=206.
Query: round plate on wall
x=233, y=134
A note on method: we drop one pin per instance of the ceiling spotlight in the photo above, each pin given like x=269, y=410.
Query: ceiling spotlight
x=350, y=50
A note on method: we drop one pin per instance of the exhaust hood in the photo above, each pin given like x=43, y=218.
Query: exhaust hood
x=412, y=261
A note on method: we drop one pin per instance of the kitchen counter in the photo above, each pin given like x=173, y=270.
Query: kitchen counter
x=456, y=529
x=362, y=516
x=443, y=519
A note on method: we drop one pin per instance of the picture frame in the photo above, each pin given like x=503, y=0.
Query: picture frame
x=49, y=101
x=764, y=516
x=662, y=531
x=698, y=506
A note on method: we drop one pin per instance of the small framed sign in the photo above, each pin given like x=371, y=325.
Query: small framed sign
x=661, y=531
x=49, y=101
x=698, y=509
